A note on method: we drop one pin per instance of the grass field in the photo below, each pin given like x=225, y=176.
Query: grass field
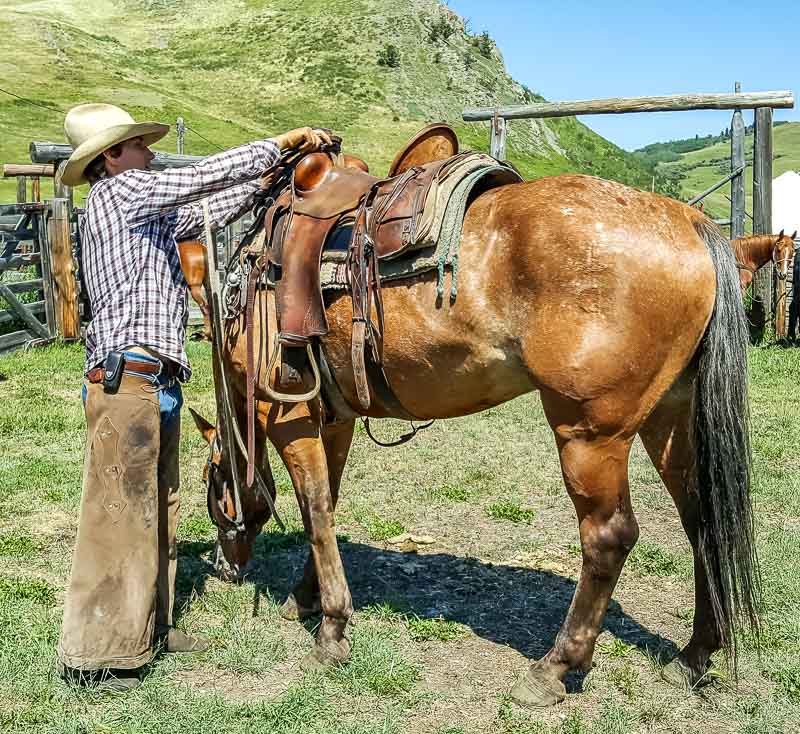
x=438, y=634
x=708, y=165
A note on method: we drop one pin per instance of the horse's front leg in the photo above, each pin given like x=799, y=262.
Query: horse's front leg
x=296, y=431
x=304, y=600
x=594, y=464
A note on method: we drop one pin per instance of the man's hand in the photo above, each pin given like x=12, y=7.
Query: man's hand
x=303, y=140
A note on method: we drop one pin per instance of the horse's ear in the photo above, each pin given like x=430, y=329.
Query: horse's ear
x=780, y=236
x=794, y=236
x=203, y=426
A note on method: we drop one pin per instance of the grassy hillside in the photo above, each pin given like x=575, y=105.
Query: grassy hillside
x=241, y=69
x=696, y=170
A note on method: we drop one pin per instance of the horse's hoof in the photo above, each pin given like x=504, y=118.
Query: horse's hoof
x=293, y=611
x=332, y=655
x=680, y=676
x=535, y=690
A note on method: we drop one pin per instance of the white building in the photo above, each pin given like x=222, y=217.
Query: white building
x=786, y=203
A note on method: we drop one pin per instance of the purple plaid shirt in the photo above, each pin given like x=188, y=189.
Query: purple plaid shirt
x=130, y=258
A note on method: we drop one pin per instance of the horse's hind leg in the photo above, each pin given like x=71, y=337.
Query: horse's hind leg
x=594, y=462
x=304, y=599
x=665, y=435
x=295, y=431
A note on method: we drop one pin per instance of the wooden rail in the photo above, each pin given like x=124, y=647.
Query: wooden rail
x=42, y=152
x=711, y=189
x=14, y=170
x=625, y=105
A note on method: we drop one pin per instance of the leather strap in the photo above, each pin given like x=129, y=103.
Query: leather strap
x=227, y=425
x=359, y=294
x=255, y=274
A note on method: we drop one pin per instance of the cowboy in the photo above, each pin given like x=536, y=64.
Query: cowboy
x=118, y=608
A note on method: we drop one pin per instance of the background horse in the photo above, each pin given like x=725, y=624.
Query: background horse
x=623, y=309
x=753, y=253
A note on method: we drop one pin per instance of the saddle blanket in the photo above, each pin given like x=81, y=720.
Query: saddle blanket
x=439, y=234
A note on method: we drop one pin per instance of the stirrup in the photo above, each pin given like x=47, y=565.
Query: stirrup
x=280, y=397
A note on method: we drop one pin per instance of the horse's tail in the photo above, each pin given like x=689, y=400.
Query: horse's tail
x=721, y=438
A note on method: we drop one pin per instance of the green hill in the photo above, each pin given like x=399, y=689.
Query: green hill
x=242, y=69
x=695, y=168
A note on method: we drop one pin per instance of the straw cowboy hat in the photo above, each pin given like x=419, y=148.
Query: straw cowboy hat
x=93, y=128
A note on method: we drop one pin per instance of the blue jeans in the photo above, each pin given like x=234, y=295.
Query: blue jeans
x=170, y=395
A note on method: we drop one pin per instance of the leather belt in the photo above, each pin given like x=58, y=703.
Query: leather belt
x=136, y=367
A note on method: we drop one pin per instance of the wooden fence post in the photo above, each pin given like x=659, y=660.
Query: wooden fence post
x=64, y=287
x=763, y=290
x=737, y=184
x=60, y=190
x=499, y=133
x=36, y=189
x=46, y=265
x=22, y=190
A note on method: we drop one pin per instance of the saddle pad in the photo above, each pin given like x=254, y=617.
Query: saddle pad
x=440, y=254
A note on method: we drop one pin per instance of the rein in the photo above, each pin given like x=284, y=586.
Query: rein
x=231, y=439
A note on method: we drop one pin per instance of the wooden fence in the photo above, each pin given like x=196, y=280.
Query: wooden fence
x=767, y=288
x=25, y=276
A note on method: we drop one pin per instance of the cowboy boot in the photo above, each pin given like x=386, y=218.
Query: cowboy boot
x=106, y=680
x=174, y=640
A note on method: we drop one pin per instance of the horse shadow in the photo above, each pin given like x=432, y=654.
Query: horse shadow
x=519, y=607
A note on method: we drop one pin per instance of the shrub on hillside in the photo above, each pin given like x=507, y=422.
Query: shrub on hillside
x=441, y=29
x=389, y=56
x=484, y=44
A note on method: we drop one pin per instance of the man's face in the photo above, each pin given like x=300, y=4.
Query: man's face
x=135, y=155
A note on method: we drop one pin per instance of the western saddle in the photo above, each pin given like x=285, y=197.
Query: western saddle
x=325, y=199
x=332, y=198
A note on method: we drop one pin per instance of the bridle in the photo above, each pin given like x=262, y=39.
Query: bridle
x=778, y=263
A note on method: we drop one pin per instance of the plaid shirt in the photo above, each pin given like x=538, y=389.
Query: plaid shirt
x=130, y=259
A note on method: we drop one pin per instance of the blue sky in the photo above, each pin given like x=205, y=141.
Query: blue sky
x=575, y=49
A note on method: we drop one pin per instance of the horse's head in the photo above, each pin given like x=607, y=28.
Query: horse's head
x=234, y=547
x=783, y=252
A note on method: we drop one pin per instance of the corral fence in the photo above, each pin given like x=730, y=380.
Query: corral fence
x=770, y=296
x=40, y=291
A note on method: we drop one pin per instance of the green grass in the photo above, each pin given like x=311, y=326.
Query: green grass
x=419, y=629
x=247, y=647
x=443, y=630
x=616, y=648
x=449, y=493
x=17, y=545
x=511, y=512
x=647, y=559
x=376, y=666
x=22, y=589
x=438, y=635
x=383, y=529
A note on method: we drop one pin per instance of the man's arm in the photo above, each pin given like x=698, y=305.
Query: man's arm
x=224, y=207
x=145, y=196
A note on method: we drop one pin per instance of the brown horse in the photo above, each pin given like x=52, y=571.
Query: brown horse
x=753, y=253
x=622, y=308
